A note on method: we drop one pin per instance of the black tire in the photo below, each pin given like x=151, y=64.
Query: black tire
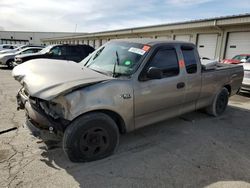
x=90, y=137
x=219, y=104
x=9, y=63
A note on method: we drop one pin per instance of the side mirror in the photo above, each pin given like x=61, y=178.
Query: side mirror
x=154, y=73
x=243, y=61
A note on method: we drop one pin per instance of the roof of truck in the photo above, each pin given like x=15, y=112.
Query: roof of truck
x=151, y=42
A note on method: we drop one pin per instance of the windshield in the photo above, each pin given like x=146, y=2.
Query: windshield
x=46, y=49
x=116, y=58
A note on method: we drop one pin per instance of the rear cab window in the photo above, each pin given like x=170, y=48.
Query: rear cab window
x=188, y=53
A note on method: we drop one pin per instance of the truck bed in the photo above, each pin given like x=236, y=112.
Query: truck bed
x=215, y=77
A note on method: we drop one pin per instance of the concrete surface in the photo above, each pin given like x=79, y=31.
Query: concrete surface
x=194, y=150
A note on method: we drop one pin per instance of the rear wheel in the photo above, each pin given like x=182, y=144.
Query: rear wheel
x=90, y=137
x=219, y=104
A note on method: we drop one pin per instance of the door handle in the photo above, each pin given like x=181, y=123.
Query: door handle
x=234, y=75
x=180, y=85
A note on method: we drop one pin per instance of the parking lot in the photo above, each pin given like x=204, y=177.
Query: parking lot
x=194, y=150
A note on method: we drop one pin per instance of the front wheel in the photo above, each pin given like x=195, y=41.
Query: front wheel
x=219, y=104
x=9, y=64
x=90, y=137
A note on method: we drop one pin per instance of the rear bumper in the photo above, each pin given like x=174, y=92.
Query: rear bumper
x=245, y=85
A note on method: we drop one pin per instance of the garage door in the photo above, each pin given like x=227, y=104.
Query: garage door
x=185, y=38
x=97, y=43
x=238, y=43
x=104, y=41
x=91, y=43
x=207, y=45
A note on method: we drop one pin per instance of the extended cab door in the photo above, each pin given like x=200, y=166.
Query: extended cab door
x=158, y=99
x=193, y=77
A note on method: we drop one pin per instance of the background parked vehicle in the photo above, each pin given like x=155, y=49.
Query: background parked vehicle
x=245, y=87
x=122, y=86
x=8, y=58
x=242, y=58
x=18, y=48
x=6, y=47
x=61, y=51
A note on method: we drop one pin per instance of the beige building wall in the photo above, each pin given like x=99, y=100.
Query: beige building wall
x=23, y=37
x=187, y=31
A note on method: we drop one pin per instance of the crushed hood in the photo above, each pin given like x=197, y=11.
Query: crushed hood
x=46, y=78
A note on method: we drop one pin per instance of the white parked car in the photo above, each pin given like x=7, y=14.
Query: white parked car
x=17, y=48
x=245, y=87
x=6, y=47
x=8, y=58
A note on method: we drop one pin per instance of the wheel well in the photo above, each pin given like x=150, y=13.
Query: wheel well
x=228, y=87
x=116, y=117
x=10, y=60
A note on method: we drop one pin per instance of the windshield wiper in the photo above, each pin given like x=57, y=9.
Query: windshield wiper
x=117, y=62
x=100, y=72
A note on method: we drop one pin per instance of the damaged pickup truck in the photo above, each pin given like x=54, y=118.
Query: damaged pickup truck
x=120, y=87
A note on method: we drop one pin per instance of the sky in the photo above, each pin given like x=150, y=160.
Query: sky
x=103, y=15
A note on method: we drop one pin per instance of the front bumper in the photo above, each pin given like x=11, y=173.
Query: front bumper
x=17, y=61
x=38, y=121
x=15, y=64
x=39, y=133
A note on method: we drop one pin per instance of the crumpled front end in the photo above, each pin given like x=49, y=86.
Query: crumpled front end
x=43, y=117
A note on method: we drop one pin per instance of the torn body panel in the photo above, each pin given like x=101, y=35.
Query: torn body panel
x=39, y=116
x=57, y=113
x=106, y=95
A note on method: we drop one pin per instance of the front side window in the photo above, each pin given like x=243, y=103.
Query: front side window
x=26, y=51
x=30, y=51
x=166, y=60
x=56, y=51
x=116, y=58
x=7, y=47
x=36, y=50
x=189, y=59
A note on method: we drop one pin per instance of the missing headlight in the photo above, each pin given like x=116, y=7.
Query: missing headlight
x=52, y=109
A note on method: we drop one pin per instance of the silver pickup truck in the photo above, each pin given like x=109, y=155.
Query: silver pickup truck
x=120, y=87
